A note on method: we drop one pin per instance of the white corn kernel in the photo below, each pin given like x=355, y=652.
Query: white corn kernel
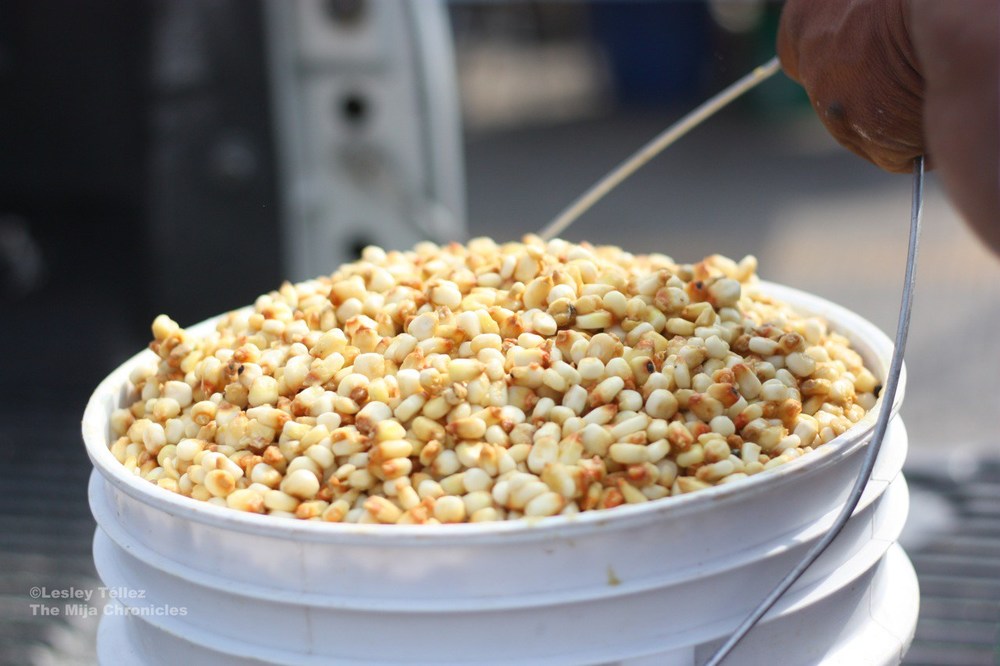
x=301, y=483
x=179, y=391
x=263, y=391
x=763, y=346
x=449, y=509
x=628, y=454
x=661, y=404
x=544, y=504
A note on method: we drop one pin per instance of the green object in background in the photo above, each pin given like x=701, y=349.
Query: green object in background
x=781, y=95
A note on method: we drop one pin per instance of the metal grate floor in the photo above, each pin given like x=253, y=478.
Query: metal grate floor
x=959, y=572
x=46, y=532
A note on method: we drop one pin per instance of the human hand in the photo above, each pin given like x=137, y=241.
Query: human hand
x=857, y=63
x=893, y=79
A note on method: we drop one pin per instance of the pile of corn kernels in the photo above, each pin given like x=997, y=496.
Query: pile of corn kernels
x=485, y=382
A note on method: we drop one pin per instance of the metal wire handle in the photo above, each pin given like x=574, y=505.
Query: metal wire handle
x=657, y=145
x=882, y=423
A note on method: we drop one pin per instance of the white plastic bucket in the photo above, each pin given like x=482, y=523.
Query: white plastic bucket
x=662, y=581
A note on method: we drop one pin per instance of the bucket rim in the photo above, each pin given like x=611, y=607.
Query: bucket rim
x=870, y=341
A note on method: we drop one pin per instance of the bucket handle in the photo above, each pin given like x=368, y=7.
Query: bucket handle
x=639, y=159
x=888, y=395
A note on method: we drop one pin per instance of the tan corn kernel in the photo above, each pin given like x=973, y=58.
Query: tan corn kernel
x=121, y=420
x=276, y=500
x=168, y=484
x=544, y=504
x=715, y=471
x=245, y=500
x=631, y=494
x=525, y=491
x=606, y=391
x=429, y=488
x=336, y=512
x=219, y=482
x=476, y=501
x=449, y=509
x=468, y=428
x=382, y=509
x=393, y=448
x=396, y=468
x=485, y=515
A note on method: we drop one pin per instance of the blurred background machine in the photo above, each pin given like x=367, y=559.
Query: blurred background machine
x=184, y=156
x=225, y=142
x=367, y=128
